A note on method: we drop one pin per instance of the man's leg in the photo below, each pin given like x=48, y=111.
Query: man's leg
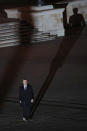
x=25, y=113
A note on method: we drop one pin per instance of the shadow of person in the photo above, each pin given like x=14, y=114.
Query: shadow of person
x=76, y=22
x=14, y=64
x=26, y=27
x=3, y=14
x=66, y=46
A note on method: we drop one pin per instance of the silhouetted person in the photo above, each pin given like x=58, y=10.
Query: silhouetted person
x=26, y=97
x=26, y=27
x=3, y=14
x=40, y=2
x=76, y=20
x=25, y=32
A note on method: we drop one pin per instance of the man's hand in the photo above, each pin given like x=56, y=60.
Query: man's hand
x=20, y=101
x=32, y=100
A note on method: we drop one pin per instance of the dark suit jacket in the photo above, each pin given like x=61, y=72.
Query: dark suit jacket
x=26, y=95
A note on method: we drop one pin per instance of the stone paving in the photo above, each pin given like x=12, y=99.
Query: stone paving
x=64, y=106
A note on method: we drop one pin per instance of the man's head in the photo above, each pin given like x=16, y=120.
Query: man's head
x=75, y=11
x=24, y=82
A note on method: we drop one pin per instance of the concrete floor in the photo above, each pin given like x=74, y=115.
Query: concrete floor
x=47, y=117
x=64, y=106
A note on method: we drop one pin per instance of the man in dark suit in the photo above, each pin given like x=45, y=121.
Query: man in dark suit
x=26, y=97
x=77, y=19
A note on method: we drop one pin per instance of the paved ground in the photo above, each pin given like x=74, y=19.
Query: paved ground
x=46, y=118
x=64, y=106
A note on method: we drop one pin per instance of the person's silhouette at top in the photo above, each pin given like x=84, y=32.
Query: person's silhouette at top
x=77, y=19
x=3, y=14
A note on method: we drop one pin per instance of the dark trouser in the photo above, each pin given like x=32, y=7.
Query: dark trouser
x=27, y=110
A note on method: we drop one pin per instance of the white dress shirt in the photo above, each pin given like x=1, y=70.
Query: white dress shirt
x=25, y=87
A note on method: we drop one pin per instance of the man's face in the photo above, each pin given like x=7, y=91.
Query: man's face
x=24, y=82
x=75, y=11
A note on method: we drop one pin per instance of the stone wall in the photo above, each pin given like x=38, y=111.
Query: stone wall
x=45, y=18
x=49, y=20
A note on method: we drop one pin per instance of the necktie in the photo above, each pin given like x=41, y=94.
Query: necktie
x=25, y=87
